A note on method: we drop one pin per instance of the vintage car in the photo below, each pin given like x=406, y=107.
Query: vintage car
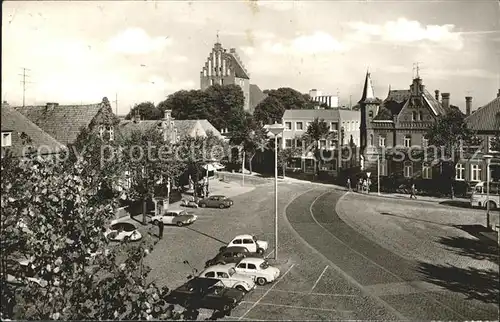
x=231, y=254
x=179, y=217
x=228, y=276
x=216, y=201
x=206, y=293
x=257, y=268
x=249, y=242
x=122, y=231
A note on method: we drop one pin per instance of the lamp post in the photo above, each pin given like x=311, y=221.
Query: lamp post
x=276, y=129
x=378, y=174
x=487, y=158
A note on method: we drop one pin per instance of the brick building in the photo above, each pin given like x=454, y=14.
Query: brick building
x=225, y=67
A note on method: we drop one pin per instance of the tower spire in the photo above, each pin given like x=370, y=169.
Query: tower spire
x=218, y=37
x=368, y=93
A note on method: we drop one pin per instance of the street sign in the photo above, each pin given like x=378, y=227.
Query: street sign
x=368, y=174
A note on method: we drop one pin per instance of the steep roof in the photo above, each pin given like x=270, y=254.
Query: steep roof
x=312, y=114
x=207, y=126
x=256, y=96
x=18, y=124
x=393, y=104
x=486, y=118
x=239, y=69
x=63, y=122
x=184, y=127
x=368, y=95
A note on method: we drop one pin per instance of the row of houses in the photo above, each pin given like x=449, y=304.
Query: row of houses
x=52, y=128
x=379, y=128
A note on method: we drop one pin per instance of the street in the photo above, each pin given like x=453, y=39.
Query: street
x=329, y=271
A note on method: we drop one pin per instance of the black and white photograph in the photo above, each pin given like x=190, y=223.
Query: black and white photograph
x=250, y=160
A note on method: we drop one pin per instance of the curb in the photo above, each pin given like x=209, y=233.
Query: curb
x=405, y=198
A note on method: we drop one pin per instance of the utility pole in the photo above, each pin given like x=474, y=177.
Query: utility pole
x=116, y=104
x=24, y=83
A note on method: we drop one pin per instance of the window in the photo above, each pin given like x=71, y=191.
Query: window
x=475, y=172
x=251, y=266
x=298, y=143
x=370, y=114
x=222, y=82
x=247, y=241
x=381, y=141
x=383, y=167
x=425, y=142
x=426, y=171
x=407, y=141
x=459, y=171
x=237, y=242
x=101, y=131
x=414, y=116
x=333, y=143
x=111, y=133
x=288, y=143
x=6, y=138
x=334, y=126
x=371, y=140
x=408, y=169
x=322, y=144
x=242, y=265
x=491, y=145
x=210, y=274
x=421, y=116
x=211, y=81
x=299, y=126
x=222, y=275
x=288, y=126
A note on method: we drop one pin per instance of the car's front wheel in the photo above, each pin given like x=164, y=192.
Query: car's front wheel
x=180, y=223
x=203, y=205
x=260, y=251
x=261, y=281
x=491, y=205
x=240, y=288
x=221, y=206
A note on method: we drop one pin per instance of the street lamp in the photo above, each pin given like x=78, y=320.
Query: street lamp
x=276, y=129
x=487, y=158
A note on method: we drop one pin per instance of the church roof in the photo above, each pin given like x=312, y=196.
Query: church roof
x=368, y=95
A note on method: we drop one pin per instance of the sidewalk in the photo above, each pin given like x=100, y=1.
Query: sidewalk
x=462, y=202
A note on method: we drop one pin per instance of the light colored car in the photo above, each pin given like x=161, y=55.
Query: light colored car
x=258, y=268
x=179, y=217
x=249, y=242
x=120, y=231
x=228, y=276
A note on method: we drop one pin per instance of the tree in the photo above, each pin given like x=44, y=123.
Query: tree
x=146, y=110
x=51, y=216
x=286, y=156
x=449, y=138
x=269, y=111
x=151, y=162
x=318, y=130
x=291, y=99
x=187, y=105
x=251, y=136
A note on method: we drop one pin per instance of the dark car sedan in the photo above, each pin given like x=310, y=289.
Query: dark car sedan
x=205, y=293
x=231, y=254
x=216, y=201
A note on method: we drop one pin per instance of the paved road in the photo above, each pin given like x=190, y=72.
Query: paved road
x=398, y=285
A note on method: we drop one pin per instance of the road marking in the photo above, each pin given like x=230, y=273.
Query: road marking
x=299, y=307
x=371, y=261
x=314, y=294
x=267, y=292
x=267, y=256
x=320, y=276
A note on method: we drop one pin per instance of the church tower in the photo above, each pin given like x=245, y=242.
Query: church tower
x=369, y=106
x=224, y=68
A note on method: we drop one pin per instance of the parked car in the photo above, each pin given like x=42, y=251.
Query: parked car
x=179, y=217
x=206, y=293
x=249, y=242
x=229, y=277
x=231, y=255
x=122, y=231
x=216, y=201
x=259, y=269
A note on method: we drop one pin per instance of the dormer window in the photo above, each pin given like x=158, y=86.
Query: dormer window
x=111, y=133
x=6, y=138
x=101, y=131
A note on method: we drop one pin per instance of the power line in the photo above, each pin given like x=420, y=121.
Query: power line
x=24, y=82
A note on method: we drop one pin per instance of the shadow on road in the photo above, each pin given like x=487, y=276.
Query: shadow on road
x=456, y=203
x=416, y=219
x=202, y=233
x=482, y=285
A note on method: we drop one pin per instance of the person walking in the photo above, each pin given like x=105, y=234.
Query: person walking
x=349, y=184
x=160, y=227
x=413, y=191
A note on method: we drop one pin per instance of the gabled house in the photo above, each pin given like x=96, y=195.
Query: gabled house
x=65, y=122
x=21, y=136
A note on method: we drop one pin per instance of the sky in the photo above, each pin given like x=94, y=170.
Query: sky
x=77, y=52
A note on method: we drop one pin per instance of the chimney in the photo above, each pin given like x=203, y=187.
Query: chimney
x=468, y=105
x=436, y=92
x=445, y=100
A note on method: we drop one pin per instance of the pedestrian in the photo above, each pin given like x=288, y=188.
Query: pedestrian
x=365, y=185
x=368, y=184
x=349, y=184
x=160, y=227
x=413, y=191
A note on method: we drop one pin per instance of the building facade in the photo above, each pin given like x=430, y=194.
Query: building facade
x=329, y=100
x=225, y=67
